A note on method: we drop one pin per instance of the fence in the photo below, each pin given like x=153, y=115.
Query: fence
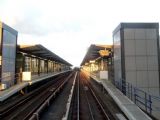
x=149, y=103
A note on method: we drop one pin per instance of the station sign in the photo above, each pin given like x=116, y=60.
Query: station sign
x=104, y=53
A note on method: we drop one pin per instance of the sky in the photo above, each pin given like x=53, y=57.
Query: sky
x=69, y=27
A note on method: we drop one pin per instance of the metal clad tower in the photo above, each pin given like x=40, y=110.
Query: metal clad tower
x=8, y=43
x=137, y=55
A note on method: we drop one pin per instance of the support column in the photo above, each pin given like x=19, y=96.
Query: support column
x=47, y=65
x=102, y=64
x=39, y=67
x=52, y=66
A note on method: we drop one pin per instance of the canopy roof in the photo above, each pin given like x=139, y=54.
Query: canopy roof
x=40, y=51
x=93, y=52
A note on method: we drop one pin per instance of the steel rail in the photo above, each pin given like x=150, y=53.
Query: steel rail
x=98, y=101
x=25, y=101
x=35, y=113
x=18, y=103
x=101, y=106
x=89, y=105
x=35, y=100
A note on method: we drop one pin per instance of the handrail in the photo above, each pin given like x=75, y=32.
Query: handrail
x=144, y=100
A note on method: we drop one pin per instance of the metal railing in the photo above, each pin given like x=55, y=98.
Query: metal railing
x=145, y=101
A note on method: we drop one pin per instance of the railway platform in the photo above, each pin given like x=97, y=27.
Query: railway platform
x=130, y=109
x=16, y=88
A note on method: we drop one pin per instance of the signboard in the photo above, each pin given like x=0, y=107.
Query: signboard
x=104, y=53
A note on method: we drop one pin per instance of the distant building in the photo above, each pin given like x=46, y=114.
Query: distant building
x=136, y=55
x=8, y=42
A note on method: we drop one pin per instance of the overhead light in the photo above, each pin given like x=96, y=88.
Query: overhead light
x=92, y=61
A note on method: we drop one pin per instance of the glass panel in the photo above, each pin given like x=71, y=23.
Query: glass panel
x=42, y=66
x=34, y=67
x=8, y=55
x=27, y=65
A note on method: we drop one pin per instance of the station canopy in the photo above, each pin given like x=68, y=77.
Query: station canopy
x=96, y=51
x=42, y=52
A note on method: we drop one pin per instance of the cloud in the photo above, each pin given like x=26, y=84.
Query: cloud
x=68, y=27
x=39, y=25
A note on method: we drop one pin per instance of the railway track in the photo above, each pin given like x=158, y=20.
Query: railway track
x=86, y=103
x=24, y=108
x=58, y=110
x=7, y=108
